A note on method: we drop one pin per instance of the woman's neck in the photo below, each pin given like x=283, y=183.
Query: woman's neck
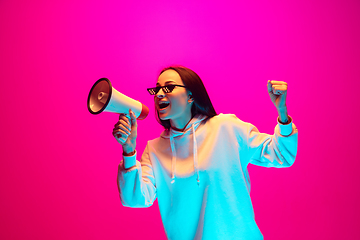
x=180, y=126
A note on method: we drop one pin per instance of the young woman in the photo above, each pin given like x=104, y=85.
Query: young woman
x=197, y=168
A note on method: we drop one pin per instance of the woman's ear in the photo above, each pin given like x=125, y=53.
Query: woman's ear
x=190, y=100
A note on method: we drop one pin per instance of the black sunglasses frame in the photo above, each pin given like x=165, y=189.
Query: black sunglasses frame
x=167, y=88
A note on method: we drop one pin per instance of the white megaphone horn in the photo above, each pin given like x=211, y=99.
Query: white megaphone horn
x=104, y=98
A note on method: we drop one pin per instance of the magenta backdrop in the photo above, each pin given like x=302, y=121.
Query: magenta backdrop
x=59, y=163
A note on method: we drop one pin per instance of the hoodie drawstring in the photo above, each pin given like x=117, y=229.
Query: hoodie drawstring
x=173, y=159
x=195, y=156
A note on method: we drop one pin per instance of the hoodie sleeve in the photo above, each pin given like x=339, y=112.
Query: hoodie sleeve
x=278, y=150
x=136, y=184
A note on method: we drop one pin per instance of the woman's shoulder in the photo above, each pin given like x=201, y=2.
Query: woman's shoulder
x=227, y=119
x=224, y=117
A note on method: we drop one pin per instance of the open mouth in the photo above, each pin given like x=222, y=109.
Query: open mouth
x=163, y=105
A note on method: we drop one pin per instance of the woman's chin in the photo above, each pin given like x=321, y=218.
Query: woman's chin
x=163, y=116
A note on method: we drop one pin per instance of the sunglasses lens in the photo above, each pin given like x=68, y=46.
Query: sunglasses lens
x=166, y=89
x=169, y=88
x=154, y=90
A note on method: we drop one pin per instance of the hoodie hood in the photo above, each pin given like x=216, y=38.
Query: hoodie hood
x=189, y=129
x=194, y=121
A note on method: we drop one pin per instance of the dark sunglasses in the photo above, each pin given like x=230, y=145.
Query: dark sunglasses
x=166, y=89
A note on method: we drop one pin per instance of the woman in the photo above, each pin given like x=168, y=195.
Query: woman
x=197, y=168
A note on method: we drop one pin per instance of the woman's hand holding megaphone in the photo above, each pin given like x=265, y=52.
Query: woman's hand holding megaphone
x=125, y=132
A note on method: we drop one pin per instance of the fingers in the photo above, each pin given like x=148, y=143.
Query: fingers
x=124, y=117
x=125, y=130
x=124, y=121
x=121, y=138
x=122, y=128
x=277, y=87
x=122, y=125
x=125, y=126
x=276, y=82
x=121, y=135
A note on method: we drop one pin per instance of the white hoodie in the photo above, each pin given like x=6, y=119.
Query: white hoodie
x=200, y=176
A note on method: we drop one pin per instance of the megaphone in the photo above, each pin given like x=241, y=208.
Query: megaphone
x=104, y=98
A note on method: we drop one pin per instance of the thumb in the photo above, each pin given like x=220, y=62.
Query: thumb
x=269, y=86
x=132, y=118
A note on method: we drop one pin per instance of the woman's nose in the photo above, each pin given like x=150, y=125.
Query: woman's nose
x=160, y=93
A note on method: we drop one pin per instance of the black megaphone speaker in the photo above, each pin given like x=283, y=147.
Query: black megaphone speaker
x=104, y=98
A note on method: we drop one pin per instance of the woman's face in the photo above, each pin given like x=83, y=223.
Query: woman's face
x=176, y=105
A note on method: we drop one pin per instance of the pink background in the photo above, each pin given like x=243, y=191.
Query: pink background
x=59, y=163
